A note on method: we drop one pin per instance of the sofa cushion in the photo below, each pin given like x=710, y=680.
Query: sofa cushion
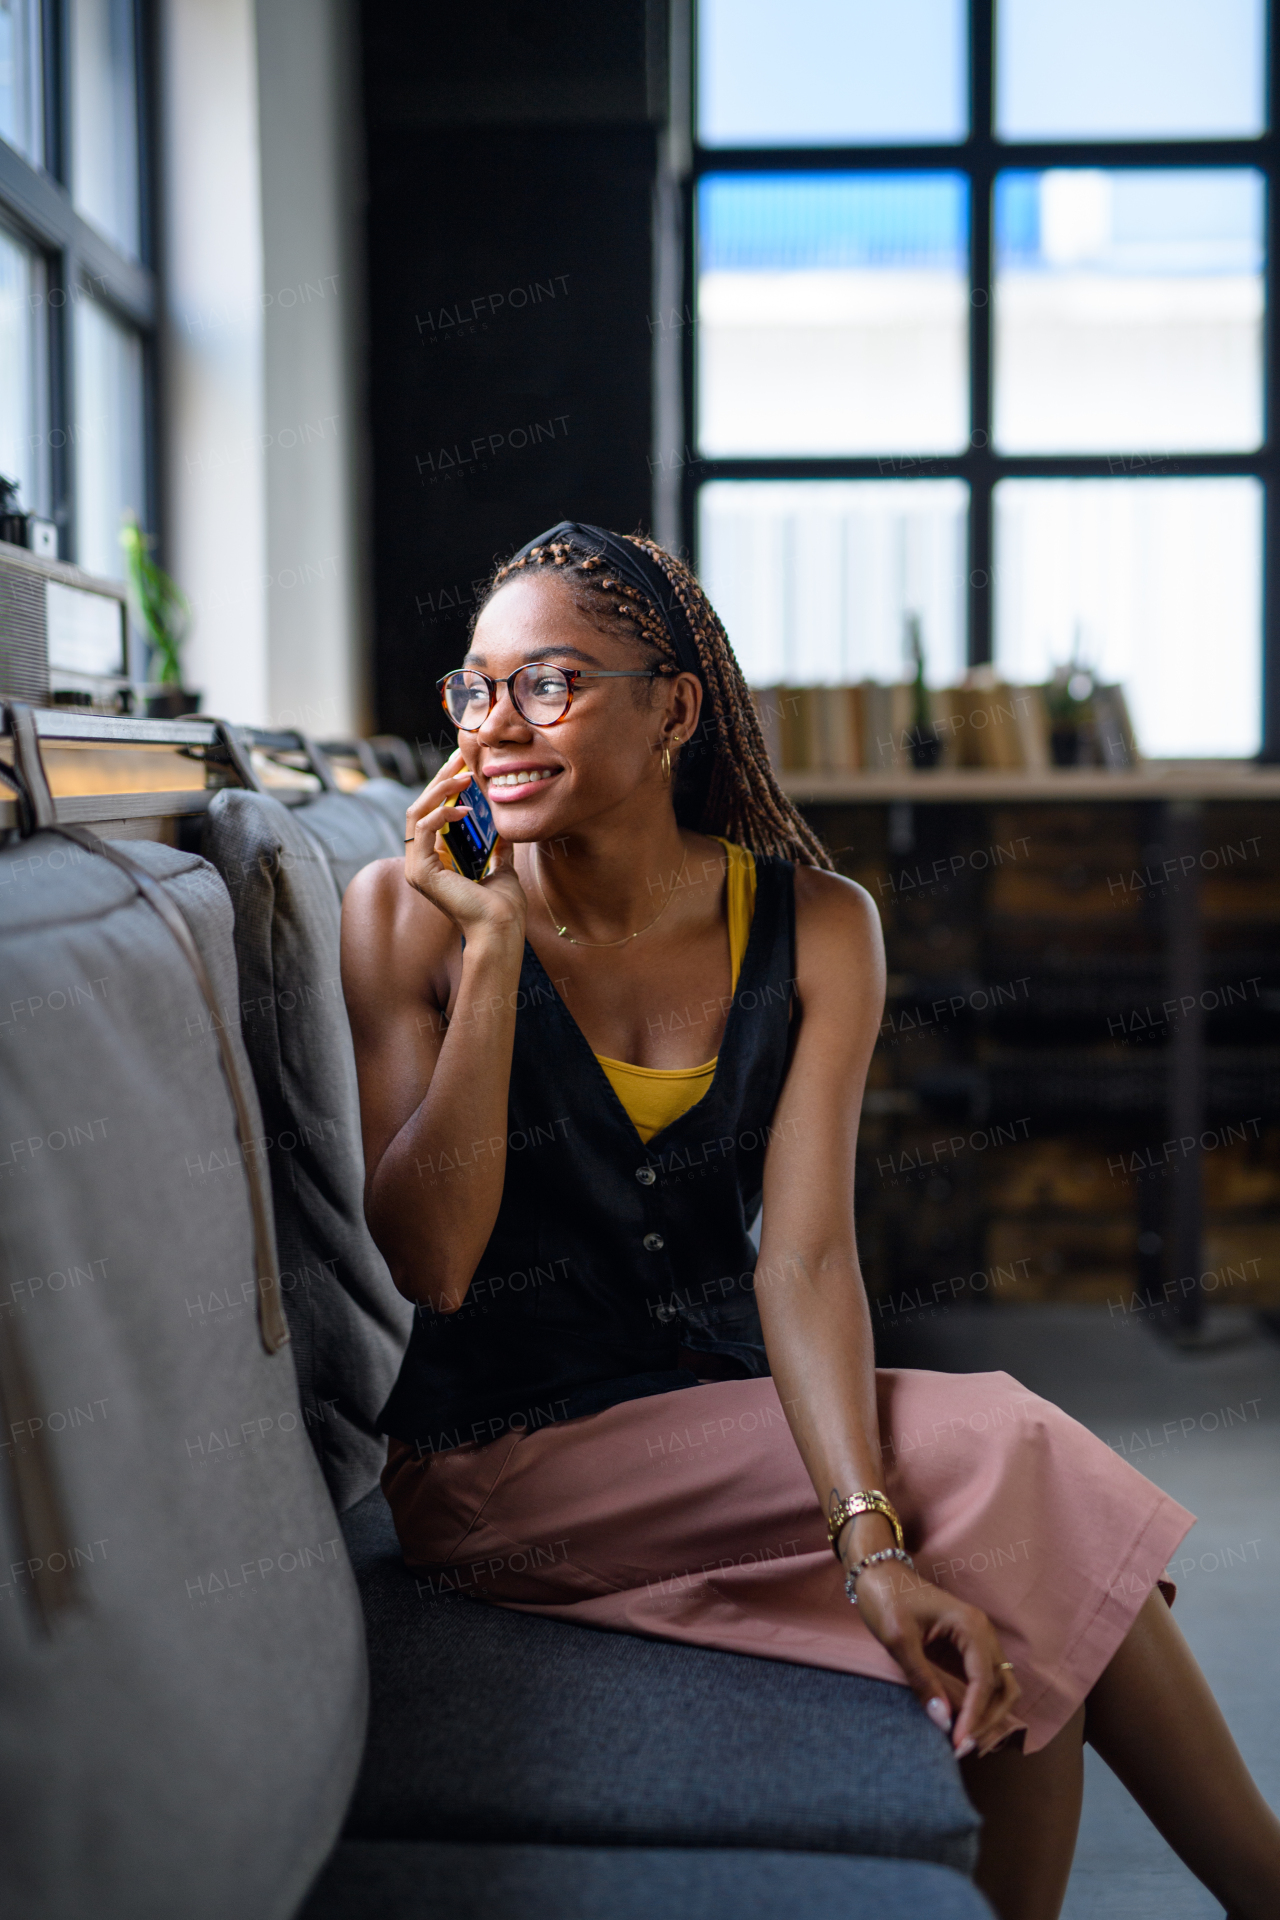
x=391, y=798
x=390, y=1880
x=171, y=1566
x=487, y=1724
x=349, y=1324
x=351, y=831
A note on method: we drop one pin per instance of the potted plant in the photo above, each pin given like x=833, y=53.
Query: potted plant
x=926, y=746
x=164, y=614
x=1069, y=698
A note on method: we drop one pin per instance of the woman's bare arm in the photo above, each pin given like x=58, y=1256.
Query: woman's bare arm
x=813, y=1304
x=433, y=1067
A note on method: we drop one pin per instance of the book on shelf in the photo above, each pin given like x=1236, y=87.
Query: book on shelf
x=769, y=714
x=828, y=729
x=992, y=724
x=1114, y=742
x=875, y=727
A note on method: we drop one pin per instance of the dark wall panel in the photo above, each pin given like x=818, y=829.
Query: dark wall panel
x=510, y=182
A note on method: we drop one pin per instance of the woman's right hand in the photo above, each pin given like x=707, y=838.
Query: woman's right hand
x=495, y=905
x=908, y=1616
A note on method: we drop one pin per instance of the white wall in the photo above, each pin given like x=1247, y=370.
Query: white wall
x=308, y=117
x=263, y=404
x=212, y=394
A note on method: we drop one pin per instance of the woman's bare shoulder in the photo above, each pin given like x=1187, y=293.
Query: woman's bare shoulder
x=830, y=905
x=395, y=943
x=838, y=940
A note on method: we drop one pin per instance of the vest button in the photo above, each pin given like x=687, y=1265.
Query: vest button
x=654, y=1243
x=664, y=1314
x=646, y=1176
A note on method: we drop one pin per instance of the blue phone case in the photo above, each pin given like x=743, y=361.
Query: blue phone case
x=470, y=839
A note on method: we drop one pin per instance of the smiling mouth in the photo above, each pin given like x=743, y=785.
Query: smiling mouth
x=505, y=786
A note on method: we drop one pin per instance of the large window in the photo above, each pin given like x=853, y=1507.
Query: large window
x=77, y=298
x=983, y=347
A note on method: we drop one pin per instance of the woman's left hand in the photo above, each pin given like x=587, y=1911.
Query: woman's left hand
x=908, y=1615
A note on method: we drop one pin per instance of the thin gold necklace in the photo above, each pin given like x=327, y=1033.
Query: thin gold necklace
x=564, y=932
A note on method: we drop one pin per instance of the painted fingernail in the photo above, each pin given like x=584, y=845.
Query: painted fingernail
x=939, y=1712
x=965, y=1748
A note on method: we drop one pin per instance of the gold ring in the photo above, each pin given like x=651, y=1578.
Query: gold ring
x=1004, y=1666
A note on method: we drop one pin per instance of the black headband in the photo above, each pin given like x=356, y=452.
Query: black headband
x=635, y=566
x=639, y=571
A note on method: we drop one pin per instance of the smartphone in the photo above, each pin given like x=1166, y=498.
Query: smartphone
x=470, y=837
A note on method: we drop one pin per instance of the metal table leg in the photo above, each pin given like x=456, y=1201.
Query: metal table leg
x=1186, y=1080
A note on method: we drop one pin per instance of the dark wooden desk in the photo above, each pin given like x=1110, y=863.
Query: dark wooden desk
x=1188, y=856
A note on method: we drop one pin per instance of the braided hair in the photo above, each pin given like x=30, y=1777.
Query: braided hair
x=724, y=782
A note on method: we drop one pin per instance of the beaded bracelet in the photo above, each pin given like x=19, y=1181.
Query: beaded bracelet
x=869, y=1560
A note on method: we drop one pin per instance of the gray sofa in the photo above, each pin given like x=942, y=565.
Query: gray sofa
x=398, y=1881
x=174, y=1745
x=606, y=1774
x=182, y=1665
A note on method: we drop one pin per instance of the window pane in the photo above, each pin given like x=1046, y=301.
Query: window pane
x=831, y=72
x=104, y=118
x=1154, y=583
x=22, y=440
x=815, y=580
x=1129, y=310
x=1133, y=69
x=832, y=313
x=21, y=119
x=108, y=441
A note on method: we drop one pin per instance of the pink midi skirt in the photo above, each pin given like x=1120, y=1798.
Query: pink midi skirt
x=689, y=1516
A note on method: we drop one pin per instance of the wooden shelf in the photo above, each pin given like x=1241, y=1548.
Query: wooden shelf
x=1156, y=780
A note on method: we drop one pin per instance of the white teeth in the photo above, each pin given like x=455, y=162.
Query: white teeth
x=521, y=779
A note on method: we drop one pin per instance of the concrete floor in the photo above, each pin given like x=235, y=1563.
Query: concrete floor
x=1166, y=1410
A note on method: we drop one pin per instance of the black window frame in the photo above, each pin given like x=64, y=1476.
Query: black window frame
x=81, y=263
x=978, y=159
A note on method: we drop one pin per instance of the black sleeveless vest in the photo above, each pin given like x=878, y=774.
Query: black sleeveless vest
x=615, y=1269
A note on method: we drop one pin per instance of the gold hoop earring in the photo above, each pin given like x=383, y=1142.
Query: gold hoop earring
x=666, y=756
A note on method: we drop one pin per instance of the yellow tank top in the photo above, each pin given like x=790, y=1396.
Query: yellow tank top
x=655, y=1096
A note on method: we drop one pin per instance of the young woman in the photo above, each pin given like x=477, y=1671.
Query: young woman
x=579, y=1079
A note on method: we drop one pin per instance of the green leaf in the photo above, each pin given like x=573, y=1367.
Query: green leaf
x=162, y=609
